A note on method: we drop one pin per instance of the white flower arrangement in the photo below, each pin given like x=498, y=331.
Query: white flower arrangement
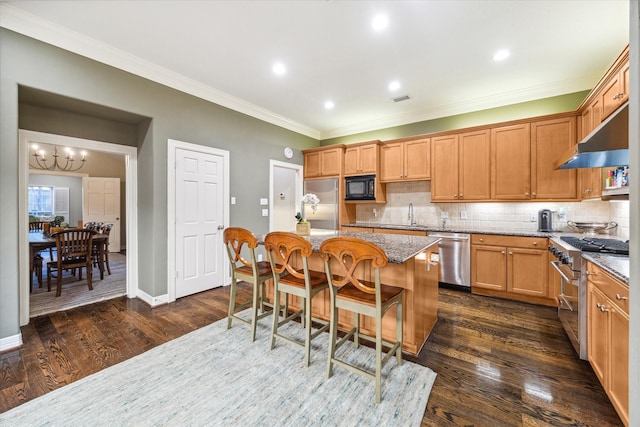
x=311, y=199
x=308, y=199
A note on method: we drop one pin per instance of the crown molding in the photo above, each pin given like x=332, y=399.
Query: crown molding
x=478, y=104
x=24, y=23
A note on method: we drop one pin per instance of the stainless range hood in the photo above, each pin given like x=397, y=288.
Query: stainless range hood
x=607, y=145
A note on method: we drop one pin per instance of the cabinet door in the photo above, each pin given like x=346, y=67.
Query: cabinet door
x=612, y=95
x=417, y=160
x=391, y=162
x=619, y=363
x=474, y=166
x=444, y=168
x=351, y=161
x=511, y=162
x=312, y=165
x=550, y=139
x=331, y=162
x=368, y=158
x=489, y=267
x=597, y=332
x=590, y=183
x=523, y=271
x=624, y=83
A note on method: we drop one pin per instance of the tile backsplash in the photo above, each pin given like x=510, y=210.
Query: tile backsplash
x=488, y=216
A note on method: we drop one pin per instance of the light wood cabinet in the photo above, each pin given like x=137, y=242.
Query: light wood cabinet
x=616, y=91
x=408, y=160
x=461, y=167
x=590, y=179
x=550, y=139
x=608, y=336
x=511, y=267
x=323, y=162
x=361, y=159
x=511, y=162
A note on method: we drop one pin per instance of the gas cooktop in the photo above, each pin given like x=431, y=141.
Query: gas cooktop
x=592, y=244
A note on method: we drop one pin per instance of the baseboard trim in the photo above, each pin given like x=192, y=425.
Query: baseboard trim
x=11, y=342
x=153, y=301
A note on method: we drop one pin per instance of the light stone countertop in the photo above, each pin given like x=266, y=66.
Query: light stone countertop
x=616, y=265
x=399, y=248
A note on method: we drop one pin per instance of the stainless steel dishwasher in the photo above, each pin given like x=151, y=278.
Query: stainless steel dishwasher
x=455, y=258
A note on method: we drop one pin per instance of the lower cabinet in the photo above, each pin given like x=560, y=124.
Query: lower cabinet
x=608, y=336
x=511, y=267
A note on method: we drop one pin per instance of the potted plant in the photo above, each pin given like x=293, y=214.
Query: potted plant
x=303, y=227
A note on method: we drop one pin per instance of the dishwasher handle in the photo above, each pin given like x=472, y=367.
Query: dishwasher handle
x=461, y=238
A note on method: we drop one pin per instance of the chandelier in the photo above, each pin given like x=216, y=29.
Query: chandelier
x=57, y=161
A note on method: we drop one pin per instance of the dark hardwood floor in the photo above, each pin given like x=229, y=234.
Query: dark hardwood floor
x=499, y=363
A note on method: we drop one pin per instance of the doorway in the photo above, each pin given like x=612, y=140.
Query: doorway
x=285, y=189
x=197, y=213
x=26, y=139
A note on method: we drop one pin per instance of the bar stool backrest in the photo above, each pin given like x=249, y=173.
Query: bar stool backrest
x=282, y=248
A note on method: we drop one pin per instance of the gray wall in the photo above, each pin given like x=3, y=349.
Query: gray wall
x=175, y=115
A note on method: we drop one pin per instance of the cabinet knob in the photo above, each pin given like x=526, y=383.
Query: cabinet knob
x=502, y=252
x=461, y=196
x=621, y=298
x=535, y=243
x=455, y=196
x=510, y=253
x=589, y=273
x=482, y=240
x=603, y=308
x=526, y=193
x=533, y=194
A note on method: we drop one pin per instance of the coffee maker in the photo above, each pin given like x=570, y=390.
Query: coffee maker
x=545, y=220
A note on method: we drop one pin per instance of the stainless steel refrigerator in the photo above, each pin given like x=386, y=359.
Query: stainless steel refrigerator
x=325, y=218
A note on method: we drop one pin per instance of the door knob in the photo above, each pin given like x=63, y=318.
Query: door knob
x=221, y=227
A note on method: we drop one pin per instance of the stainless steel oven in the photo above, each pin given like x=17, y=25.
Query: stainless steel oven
x=572, y=301
x=568, y=264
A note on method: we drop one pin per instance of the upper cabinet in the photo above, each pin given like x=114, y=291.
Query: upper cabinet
x=549, y=140
x=461, y=167
x=511, y=162
x=408, y=160
x=615, y=91
x=323, y=162
x=361, y=159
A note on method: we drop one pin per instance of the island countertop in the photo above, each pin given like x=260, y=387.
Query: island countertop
x=399, y=248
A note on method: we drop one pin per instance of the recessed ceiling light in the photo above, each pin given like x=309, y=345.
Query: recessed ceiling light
x=394, y=85
x=329, y=105
x=500, y=55
x=279, y=69
x=380, y=22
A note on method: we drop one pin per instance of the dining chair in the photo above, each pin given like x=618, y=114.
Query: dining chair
x=343, y=256
x=73, y=250
x=95, y=253
x=237, y=240
x=286, y=251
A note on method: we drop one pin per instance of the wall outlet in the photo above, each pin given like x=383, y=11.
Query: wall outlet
x=444, y=215
x=533, y=217
x=233, y=200
x=265, y=212
x=259, y=257
x=463, y=214
x=375, y=213
x=264, y=202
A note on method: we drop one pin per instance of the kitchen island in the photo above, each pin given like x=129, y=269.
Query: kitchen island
x=410, y=267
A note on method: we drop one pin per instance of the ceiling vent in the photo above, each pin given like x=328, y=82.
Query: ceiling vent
x=401, y=98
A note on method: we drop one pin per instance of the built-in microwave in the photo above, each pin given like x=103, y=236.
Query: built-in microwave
x=361, y=187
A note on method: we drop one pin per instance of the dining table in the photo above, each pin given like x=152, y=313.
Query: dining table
x=39, y=241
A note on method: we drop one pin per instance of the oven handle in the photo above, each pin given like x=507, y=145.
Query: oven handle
x=555, y=265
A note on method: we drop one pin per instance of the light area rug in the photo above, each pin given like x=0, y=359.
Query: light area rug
x=76, y=293
x=217, y=377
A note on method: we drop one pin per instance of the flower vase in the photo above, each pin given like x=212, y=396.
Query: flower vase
x=303, y=228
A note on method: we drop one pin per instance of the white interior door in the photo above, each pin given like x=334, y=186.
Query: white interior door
x=101, y=203
x=199, y=221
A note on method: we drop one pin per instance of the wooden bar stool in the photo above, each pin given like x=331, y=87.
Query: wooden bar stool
x=342, y=256
x=251, y=271
x=284, y=250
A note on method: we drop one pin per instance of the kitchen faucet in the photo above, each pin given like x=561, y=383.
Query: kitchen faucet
x=412, y=220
